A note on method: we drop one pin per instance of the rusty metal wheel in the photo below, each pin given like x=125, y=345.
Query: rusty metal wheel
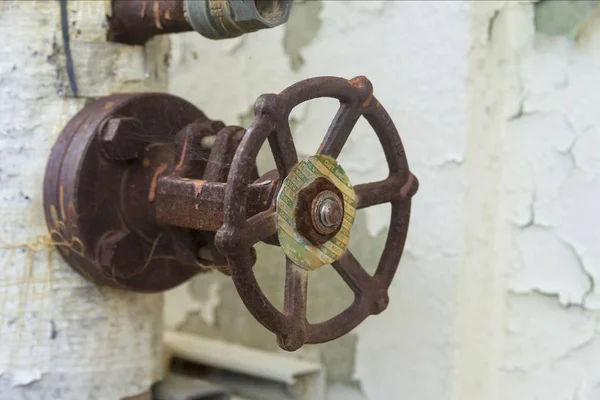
x=239, y=233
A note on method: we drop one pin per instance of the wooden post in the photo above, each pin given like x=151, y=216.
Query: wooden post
x=61, y=335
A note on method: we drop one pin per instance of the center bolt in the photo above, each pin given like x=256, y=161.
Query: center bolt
x=327, y=212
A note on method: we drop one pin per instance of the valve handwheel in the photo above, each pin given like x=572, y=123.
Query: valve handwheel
x=314, y=211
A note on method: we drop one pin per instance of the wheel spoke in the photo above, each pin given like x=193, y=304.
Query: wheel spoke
x=283, y=148
x=374, y=193
x=261, y=226
x=353, y=274
x=296, y=284
x=339, y=130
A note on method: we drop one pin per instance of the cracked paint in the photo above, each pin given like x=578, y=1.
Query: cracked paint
x=555, y=160
x=549, y=352
x=551, y=266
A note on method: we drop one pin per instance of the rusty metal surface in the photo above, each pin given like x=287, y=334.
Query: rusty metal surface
x=239, y=232
x=191, y=196
x=305, y=214
x=133, y=195
x=198, y=204
x=136, y=21
x=138, y=184
x=99, y=189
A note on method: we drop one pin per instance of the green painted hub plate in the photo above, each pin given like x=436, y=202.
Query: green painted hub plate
x=297, y=248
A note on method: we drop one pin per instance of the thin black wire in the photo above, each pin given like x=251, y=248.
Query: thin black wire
x=64, y=25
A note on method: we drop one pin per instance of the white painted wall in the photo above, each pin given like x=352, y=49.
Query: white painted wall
x=551, y=346
x=496, y=296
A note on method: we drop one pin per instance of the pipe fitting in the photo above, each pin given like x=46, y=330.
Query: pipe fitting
x=222, y=19
x=137, y=21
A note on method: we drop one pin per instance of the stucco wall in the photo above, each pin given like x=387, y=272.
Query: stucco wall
x=495, y=296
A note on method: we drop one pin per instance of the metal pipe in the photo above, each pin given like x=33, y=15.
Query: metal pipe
x=222, y=19
x=136, y=21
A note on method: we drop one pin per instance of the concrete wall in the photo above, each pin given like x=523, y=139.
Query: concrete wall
x=495, y=297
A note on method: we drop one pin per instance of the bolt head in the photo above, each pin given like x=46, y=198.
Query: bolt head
x=122, y=139
x=327, y=212
x=318, y=201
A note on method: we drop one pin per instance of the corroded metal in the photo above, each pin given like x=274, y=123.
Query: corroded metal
x=307, y=213
x=142, y=191
x=113, y=172
x=239, y=232
x=198, y=204
x=327, y=212
x=96, y=197
x=298, y=235
x=137, y=21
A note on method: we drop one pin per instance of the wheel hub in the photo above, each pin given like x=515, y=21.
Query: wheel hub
x=316, y=207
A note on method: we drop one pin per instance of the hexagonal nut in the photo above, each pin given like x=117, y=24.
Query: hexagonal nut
x=122, y=138
x=227, y=19
x=303, y=211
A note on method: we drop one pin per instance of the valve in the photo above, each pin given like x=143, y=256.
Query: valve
x=144, y=191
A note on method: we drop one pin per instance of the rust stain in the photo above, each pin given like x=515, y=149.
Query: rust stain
x=357, y=82
x=143, y=12
x=368, y=101
x=183, y=152
x=198, y=183
x=161, y=168
x=168, y=15
x=67, y=176
x=61, y=199
x=378, y=105
x=157, y=16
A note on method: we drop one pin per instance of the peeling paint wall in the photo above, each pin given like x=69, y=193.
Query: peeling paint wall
x=551, y=185
x=495, y=297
